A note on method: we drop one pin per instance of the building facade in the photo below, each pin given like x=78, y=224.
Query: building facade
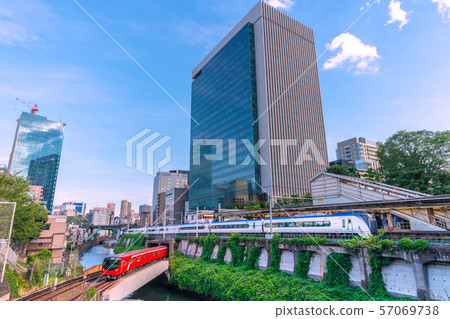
x=175, y=206
x=125, y=210
x=258, y=92
x=68, y=209
x=51, y=238
x=36, y=153
x=79, y=207
x=360, y=151
x=36, y=193
x=164, y=181
x=145, y=215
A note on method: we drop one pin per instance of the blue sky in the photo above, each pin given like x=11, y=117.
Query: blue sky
x=389, y=72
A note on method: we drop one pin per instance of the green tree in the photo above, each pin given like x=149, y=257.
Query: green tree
x=417, y=160
x=372, y=175
x=343, y=170
x=30, y=218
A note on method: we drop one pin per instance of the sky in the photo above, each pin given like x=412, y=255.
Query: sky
x=384, y=66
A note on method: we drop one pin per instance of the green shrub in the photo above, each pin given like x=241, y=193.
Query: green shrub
x=42, y=255
x=387, y=243
x=13, y=281
x=338, y=269
x=252, y=258
x=208, y=244
x=405, y=243
x=275, y=253
x=303, y=262
x=90, y=293
x=420, y=245
x=137, y=242
x=221, y=254
x=225, y=282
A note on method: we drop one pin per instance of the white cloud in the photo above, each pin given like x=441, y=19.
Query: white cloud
x=443, y=8
x=283, y=4
x=397, y=14
x=360, y=57
x=204, y=35
x=13, y=29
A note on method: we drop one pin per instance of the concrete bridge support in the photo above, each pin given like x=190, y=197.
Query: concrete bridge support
x=126, y=285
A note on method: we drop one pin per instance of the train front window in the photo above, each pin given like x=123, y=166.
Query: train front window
x=111, y=263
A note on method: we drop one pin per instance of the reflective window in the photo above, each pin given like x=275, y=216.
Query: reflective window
x=224, y=104
x=36, y=153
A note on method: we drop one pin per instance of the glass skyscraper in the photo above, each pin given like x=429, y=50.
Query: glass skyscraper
x=36, y=153
x=260, y=83
x=224, y=105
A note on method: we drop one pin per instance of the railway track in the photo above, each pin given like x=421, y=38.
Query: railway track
x=99, y=287
x=50, y=293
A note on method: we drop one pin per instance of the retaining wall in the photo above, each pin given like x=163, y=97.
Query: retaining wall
x=422, y=276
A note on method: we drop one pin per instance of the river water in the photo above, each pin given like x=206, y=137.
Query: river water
x=157, y=290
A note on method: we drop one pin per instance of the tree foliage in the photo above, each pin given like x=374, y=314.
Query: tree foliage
x=30, y=218
x=343, y=170
x=417, y=160
x=372, y=175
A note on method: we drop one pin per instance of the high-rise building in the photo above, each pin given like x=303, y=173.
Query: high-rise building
x=360, y=151
x=259, y=84
x=164, y=181
x=145, y=215
x=125, y=209
x=36, y=153
x=111, y=209
x=175, y=208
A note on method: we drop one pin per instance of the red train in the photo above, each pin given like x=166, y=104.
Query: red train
x=119, y=264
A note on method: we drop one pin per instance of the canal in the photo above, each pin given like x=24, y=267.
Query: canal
x=157, y=290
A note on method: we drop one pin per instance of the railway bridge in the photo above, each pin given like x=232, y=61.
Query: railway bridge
x=126, y=285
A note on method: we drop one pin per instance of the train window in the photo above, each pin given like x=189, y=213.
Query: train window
x=308, y=224
x=318, y=224
x=349, y=221
x=327, y=223
x=253, y=225
x=153, y=253
x=139, y=258
x=343, y=223
x=157, y=252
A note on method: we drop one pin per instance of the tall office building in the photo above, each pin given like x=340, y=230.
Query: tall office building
x=125, y=209
x=260, y=83
x=145, y=215
x=36, y=153
x=164, y=181
x=360, y=151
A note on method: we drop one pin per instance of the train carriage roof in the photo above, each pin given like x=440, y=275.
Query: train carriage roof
x=138, y=252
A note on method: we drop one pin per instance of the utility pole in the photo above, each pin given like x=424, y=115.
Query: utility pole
x=8, y=242
x=270, y=211
x=196, y=232
x=164, y=224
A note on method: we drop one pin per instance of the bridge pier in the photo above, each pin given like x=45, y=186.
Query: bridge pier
x=132, y=282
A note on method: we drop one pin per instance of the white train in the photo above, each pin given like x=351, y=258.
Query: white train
x=357, y=223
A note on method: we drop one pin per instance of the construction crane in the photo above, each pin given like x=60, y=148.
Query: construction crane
x=34, y=108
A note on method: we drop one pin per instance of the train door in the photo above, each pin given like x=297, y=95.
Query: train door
x=343, y=224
